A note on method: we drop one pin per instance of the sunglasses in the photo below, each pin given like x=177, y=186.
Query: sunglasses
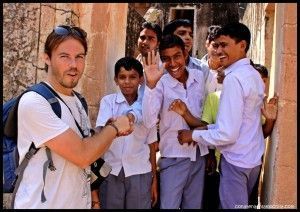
x=66, y=30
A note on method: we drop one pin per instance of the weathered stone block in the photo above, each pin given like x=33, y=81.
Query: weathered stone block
x=290, y=13
x=290, y=39
x=288, y=80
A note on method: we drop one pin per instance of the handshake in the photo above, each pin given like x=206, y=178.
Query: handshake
x=122, y=124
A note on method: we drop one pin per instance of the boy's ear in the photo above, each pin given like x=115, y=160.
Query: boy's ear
x=116, y=81
x=185, y=54
x=243, y=44
x=206, y=44
x=141, y=80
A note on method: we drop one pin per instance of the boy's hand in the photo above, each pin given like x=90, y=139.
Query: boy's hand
x=151, y=69
x=131, y=118
x=269, y=109
x=185, y=136
x=211, y=162
x=124, y=126
x=214, y=62
x=178, y=106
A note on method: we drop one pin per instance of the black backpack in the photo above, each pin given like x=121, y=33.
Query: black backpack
x=13, y=172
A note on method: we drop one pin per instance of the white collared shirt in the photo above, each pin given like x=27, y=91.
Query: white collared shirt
x=157, y=100
x=238, y=132
x=195, y=63
x=132, y=151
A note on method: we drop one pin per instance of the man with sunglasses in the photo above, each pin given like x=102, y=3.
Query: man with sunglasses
x=68, y=186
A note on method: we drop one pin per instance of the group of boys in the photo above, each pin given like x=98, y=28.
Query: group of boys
x=184, y=93
x=163, y=84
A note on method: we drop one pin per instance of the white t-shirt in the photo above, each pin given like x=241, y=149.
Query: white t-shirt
x=69, y=185
x=132, y=151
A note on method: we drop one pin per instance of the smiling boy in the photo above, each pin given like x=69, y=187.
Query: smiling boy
x=237, y=132
x=131, y=180
x=181, y=166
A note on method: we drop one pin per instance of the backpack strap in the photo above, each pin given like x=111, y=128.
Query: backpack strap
x=44, y=90
x=20, y=171
x=48, y=164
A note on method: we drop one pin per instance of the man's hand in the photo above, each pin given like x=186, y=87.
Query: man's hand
x=185, y=136
x=269, y=109
x=151, y=69
x=111, y=120
x=178, y=106
x=124, y=126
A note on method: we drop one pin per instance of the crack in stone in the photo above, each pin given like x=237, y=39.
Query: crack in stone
x=63, y=11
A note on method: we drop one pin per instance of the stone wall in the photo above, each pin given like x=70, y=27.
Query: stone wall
x=106, y=28
x=20, y=46
x=284, y=66
x=134, y=23
x=254, y=17
x=274, y=40
x=26, y=26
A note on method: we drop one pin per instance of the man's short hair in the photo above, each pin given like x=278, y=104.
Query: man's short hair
x=62, y=33
x=170, y=41
x=236, y=31
x=128, y=63
x=261, y=69
x=171, y=27
x=154, y=27
x=212, y=32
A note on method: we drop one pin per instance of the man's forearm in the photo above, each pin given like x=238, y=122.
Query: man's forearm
x=97, y=145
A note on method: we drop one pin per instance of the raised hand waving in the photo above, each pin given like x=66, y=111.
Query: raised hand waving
x=151, y=68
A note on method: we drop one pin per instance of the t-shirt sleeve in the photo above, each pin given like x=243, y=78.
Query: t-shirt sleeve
x=37, y=121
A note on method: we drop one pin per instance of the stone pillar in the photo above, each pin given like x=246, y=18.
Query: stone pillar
x=106, y=28
x=280, y=183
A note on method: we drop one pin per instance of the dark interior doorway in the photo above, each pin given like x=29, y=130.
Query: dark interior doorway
x=182, y=13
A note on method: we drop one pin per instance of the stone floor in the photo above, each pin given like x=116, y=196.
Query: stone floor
x=7, y=200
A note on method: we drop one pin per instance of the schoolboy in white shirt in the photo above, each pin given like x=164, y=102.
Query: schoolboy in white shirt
x=129, y=184
x=237, y=132
x=181, y=166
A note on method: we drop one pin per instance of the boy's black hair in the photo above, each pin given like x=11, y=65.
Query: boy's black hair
x=261, y=69
x=171, y=27
x=170, y=41
x=212, y=32
x=154, y=27
x=128, y=63
x=236, y=31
